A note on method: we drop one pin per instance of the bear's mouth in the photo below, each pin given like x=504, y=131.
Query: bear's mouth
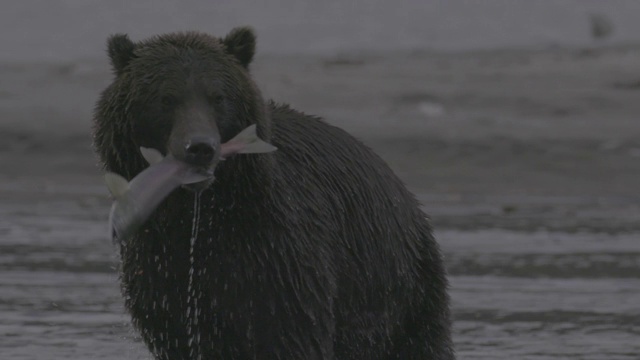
x=199, y=186
x=204, y=184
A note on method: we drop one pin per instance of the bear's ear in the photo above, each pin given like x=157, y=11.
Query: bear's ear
x=241, y=43
x=120, y=49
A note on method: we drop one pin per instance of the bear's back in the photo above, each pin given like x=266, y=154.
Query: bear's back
x=315, y=152
x=379, y=219
x=384, y=237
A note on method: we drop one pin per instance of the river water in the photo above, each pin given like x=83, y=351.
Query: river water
x=536, y=286
x=516, y=294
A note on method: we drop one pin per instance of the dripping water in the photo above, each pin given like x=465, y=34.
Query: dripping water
x=192, y=295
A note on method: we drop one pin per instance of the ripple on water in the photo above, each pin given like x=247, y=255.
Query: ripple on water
x=544, y=295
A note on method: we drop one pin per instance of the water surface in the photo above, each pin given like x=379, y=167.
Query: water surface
x=516, y=294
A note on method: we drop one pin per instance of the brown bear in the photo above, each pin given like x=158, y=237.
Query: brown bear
x=314, y=251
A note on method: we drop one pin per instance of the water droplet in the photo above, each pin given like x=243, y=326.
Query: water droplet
x=193, y=311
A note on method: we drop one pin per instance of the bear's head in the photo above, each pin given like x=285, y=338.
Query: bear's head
x=183, y=94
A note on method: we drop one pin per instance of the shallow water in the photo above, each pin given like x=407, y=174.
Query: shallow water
x=516, y=294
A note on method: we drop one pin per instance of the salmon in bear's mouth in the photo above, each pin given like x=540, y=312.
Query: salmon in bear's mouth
x=246, y=142
x=135, y=201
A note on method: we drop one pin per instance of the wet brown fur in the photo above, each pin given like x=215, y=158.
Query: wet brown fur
x=316, y=251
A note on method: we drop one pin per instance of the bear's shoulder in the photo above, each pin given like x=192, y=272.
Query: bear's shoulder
x=297, y=132
x=315, y=151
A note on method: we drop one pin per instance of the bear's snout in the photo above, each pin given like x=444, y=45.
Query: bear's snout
x=200, y=151
x=195, y=138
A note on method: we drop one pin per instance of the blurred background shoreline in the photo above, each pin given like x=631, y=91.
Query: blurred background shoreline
x=75, y=29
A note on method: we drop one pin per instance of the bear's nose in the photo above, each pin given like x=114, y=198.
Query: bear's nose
x=200, y=151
